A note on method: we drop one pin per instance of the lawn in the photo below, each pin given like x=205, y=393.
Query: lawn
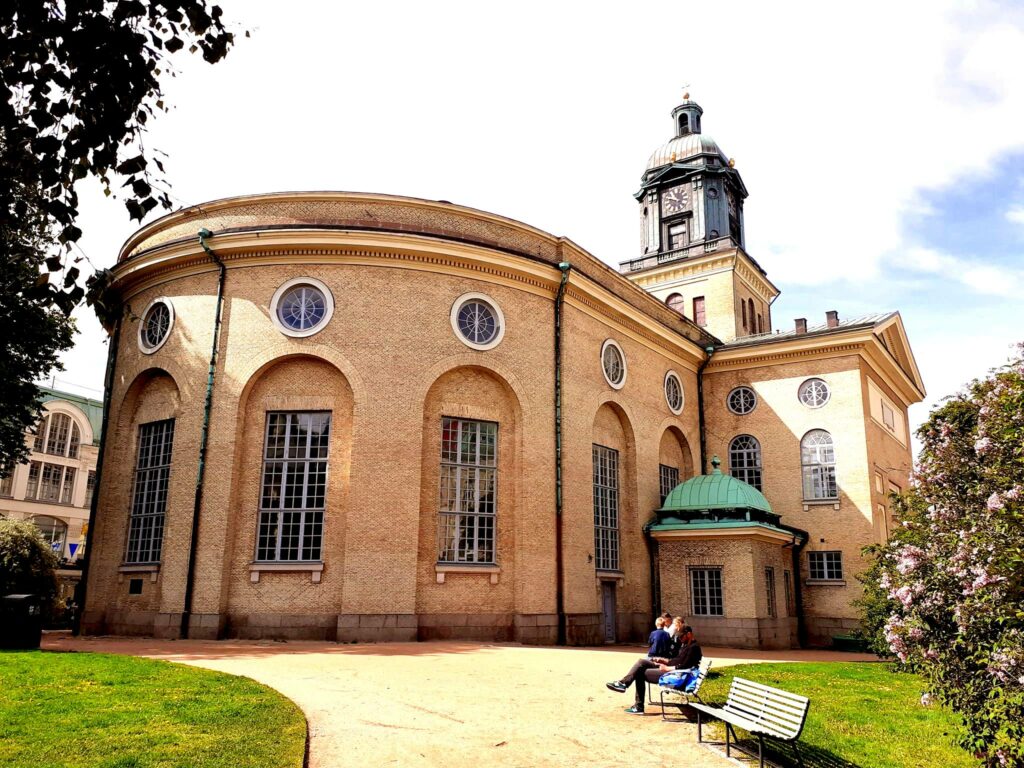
x=72, y=710
x=861, y=715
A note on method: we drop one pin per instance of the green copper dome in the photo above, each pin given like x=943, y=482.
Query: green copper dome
x=714, y=491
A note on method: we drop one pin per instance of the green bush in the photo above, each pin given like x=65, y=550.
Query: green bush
x=27, y=564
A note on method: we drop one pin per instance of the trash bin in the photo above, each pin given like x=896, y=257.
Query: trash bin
x=21, y=621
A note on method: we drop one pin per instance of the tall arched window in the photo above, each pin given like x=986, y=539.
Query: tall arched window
x=818, y=459
x=750, y=314
x=743, y=312
x=676, y=302
x=745, y=460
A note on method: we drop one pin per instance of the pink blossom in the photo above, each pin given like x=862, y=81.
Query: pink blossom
x=926, y=699
x=983, y=446
x=994, y=503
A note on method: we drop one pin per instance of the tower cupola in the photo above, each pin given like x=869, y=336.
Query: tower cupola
x=686, y=117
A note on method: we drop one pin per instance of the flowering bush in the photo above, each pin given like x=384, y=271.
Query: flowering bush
x=945, y=593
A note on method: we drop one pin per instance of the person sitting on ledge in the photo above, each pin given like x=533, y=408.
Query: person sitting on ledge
x=650, y=670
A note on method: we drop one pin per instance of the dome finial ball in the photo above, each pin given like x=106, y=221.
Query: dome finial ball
x=686, y=95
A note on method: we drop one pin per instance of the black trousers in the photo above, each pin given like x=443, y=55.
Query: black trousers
x=643, y=672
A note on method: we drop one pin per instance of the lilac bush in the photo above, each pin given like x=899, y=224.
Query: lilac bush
x=945, y=594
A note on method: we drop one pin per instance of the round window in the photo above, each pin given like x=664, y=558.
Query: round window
x=301, y=307
x=814, y=393
x=478, y=321
x=613, y=363
x=155, y=327
x=742, y=400
x=674, y=392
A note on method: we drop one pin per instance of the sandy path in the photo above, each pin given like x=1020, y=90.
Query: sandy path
x=453, y=704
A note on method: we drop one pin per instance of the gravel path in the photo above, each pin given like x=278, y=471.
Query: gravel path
x=454, y=704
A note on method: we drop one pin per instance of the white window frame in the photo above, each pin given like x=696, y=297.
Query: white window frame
x=737, y=391
x=606, y=507
x=467, y=523
x=806, y=384
x=750, y=473
x=668, y=479
x=622, y=356
x=287, y=286
x=483, y=298
x=306, y=519
x=817, y=474
x=143, y=347
x=669, y=376
x=707, y=598
x=825, y=565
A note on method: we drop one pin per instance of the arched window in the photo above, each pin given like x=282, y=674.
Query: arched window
x=53, y=530
x=743, y=312
x=676, y=302
x=57, y=435
x=745, y=460
x=750, y=314
x=818, y=460
x=684, y=125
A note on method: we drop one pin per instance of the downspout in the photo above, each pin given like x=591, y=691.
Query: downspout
x=800, y=539
x=193, y=544
x=710, y=350
x=108, y=386
x=565, y=267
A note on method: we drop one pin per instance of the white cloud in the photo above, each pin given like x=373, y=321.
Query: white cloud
x=983, y=278
x=1015, y=214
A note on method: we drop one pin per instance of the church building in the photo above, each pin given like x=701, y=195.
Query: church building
x=359, y=417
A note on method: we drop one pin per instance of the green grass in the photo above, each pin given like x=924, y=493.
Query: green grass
x=862, y=715
x=73, y=710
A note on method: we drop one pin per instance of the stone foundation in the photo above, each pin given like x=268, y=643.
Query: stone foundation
x=376, y=628
x=821, y=629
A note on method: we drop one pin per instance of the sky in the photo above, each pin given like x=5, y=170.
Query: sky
x=882, y=143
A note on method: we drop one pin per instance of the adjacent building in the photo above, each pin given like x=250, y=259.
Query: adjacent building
x=54, y=489
x=429, y=421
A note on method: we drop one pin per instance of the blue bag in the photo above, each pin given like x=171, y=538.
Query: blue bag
x=682, y=680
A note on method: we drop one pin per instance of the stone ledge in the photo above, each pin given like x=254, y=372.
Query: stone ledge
x=442, y=569
x=314, y=569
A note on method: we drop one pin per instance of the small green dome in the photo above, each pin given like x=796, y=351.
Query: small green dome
x=714, y=491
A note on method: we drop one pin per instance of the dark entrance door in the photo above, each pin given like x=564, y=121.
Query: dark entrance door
x=608, y=610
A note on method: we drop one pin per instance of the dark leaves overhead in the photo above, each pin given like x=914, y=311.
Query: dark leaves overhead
x=79, y=83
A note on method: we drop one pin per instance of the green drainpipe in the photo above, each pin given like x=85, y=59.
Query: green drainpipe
x=800, y=539
x=566, y=267
x=710, y=350
x=108, y=387
x=190, y=578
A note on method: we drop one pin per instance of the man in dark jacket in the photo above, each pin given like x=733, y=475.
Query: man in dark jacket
x=650, y=670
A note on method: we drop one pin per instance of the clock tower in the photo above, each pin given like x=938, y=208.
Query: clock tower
x=692, y=234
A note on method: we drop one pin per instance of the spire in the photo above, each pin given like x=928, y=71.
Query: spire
x=686, y=117
x=715, y=464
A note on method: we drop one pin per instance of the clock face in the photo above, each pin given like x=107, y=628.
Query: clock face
x=674, y=200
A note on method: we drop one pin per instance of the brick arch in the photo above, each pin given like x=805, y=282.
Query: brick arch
x=475, y=392
x=674, y=445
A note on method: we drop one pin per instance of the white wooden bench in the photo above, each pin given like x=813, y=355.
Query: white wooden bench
x=677, y=698
x=761, y=710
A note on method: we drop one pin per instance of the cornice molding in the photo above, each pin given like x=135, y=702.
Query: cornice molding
x=755, y=532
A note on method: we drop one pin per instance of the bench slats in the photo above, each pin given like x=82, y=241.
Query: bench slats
x=762, y=709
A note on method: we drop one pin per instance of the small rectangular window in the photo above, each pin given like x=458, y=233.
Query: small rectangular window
x=90, y=487
x=668, y=479
x=134, y=586
x=68, y=487
x=760, y=324
x=706, y=592
x=32, y=487
x=7, y=484
x=293, y=490
x=825, y=566
x=149, y=494
x=468, y=502
x=769, y=583
x=606, y=508
x=698, y=311
x=677, y=237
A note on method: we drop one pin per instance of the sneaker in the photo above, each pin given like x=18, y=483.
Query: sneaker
x=635, y=710
x=617, y=685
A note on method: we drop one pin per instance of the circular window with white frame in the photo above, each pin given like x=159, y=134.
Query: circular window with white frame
x=613, y=364
x=301, y=307
x=156, y=324
x=814, y=393
x=674, y=392
x=478, y=321
x=742, y=400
